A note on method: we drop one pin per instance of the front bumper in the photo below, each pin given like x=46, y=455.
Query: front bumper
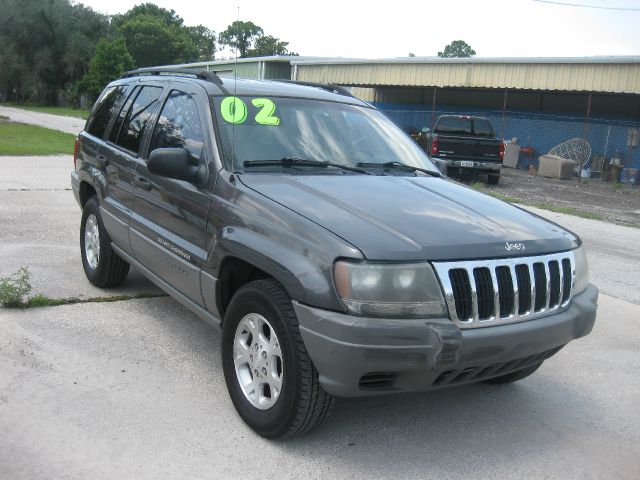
x=449, y=167
x=357, y=356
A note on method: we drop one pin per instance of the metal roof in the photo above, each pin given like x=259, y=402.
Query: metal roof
x=631, y=59
x=591, y=74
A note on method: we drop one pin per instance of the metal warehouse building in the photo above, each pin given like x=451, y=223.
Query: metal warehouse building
x=541, y=102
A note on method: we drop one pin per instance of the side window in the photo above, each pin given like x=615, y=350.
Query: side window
x=105, y=109
x=137, y=117
x=117, y=125
x=179, y=125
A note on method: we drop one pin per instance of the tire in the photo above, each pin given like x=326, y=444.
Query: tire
x=101, y=265
x=514, y=376
x=493, y=179
x=293, y=403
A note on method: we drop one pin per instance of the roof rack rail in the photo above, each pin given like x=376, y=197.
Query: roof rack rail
x=202, y=75
x=324, y=86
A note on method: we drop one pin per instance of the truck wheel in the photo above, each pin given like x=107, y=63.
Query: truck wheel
x=514, y=376
x=101, y=265
x=493, y=179
x=270, y=377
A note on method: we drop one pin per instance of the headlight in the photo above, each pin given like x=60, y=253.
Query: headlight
x=582, y=270
x=389, y=290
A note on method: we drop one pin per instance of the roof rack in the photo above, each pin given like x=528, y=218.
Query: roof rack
x=202, y=75
x=324, y=86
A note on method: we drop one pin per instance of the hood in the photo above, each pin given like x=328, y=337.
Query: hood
x=413, y=218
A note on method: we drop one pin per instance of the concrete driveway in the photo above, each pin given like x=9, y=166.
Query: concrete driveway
x=134, y=389
x=71, y=125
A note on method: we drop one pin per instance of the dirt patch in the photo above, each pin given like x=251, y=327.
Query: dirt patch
x=616, y=203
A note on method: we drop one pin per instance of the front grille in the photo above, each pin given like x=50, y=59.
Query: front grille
x=486, y=292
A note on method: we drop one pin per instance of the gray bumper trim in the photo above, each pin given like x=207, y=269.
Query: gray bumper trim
x=75, y=185
x=344, y=348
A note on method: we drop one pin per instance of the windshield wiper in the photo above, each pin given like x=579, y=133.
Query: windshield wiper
x=399, y=166
x=295, y=161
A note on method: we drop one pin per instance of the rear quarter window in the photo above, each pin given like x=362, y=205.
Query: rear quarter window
x=105, y=108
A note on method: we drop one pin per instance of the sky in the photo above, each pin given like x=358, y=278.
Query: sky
x=358, y=29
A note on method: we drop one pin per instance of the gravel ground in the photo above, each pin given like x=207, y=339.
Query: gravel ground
x=617, y=205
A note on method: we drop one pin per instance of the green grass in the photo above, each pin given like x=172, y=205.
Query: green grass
x=22, y=139
x=65, y=112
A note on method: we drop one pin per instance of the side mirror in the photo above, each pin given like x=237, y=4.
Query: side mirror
x=174, y=163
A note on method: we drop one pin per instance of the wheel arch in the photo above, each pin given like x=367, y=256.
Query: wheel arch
x=250, y=256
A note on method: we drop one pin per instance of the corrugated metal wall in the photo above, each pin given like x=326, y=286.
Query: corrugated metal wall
x=604, y=77
x=277, y=71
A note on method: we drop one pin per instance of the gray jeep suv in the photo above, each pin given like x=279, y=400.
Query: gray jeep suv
x=322, y=240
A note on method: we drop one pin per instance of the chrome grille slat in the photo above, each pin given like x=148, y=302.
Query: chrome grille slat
x=561, y=273
x=506, y=308
x=548, y=290
x=496, y=294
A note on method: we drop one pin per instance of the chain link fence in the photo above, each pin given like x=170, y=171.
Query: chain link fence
x=614, y=143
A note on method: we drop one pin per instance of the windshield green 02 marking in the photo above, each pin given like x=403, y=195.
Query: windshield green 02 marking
x=267, y=109
x=234, y=110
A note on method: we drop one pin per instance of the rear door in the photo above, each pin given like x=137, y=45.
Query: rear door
x=168, y=225
x=121, y=152
x=116, y=175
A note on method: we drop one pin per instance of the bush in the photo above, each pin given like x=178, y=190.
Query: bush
x=14, y=287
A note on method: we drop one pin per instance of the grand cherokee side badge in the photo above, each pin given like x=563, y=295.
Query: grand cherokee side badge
x=510, y=247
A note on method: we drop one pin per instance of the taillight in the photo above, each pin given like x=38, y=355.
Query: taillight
x=501, y=151
x=435, y=146
x=75, y=152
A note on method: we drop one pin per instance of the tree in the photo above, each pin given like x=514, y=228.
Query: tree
x=157, y=36
x=240, y=35
x=111, y=60
x=457, y=48
x=267, y=45
x=45, y=45
x=411, y=54
x=204, y=41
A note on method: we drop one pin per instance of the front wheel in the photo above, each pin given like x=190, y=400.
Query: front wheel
x=270, y=377
x=101, y=265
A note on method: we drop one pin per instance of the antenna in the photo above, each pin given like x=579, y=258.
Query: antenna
x=235, y=90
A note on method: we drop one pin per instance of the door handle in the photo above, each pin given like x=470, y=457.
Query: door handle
x=142, y=183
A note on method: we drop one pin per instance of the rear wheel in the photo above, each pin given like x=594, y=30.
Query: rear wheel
x=270, y=377
x=493, y=179
x=101, y=265
x=514, y=376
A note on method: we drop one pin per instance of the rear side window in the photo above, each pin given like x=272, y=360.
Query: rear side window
x=454, y=125
x=105, y=109
x=482, y=127
x=179, y=125
x=137, y=117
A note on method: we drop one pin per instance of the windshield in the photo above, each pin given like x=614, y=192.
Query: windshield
x=276, y=128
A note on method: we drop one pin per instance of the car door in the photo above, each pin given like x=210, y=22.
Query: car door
x=168, y=224
x=120, y=153
x=115, y=173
